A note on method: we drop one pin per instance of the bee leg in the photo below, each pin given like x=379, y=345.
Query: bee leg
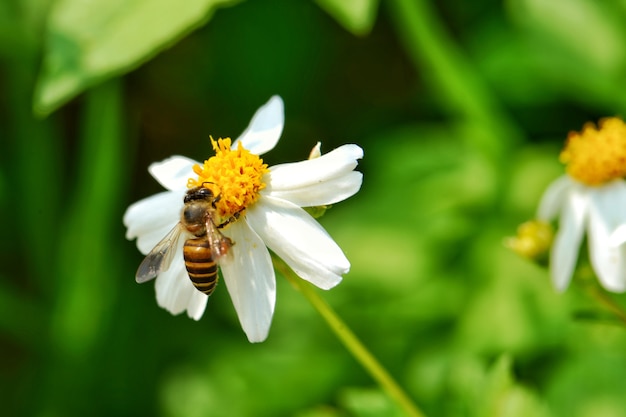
x=231, y=219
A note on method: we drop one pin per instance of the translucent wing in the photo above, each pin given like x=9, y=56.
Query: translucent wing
x=159, y=258
x=220, y=244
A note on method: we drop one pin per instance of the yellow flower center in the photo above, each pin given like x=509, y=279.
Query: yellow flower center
x=596, y=156
x=233, y=175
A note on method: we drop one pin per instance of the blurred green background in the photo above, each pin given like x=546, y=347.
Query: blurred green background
x=461, y=109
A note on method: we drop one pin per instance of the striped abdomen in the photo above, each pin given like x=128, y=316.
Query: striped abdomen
x=201, y=267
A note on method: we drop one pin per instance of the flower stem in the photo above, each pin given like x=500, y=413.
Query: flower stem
x=350, y=341
x=603, y=298
x=587, y=281
x=483, y=123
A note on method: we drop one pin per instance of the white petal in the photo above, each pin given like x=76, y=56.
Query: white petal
x=197, y=305
x=612, y=197
x=618, y=237
x=335, y=164
x=299, y=240
x=606, y=211
x=150, y=219
x=173, y=172
x=554, y=197
x=174, y=289
x=250, y=279
x=566, y=245
x=265, y=128
x=328, y=192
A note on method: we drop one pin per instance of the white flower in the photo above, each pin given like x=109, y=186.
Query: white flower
x=591, y=198
x=272, y=217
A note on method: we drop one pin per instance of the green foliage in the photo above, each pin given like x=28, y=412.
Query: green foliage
x=87, y=42
x=357, y=16
x=461, y=111
x=502, y=396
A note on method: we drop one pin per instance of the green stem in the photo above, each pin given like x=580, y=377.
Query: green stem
x=461, y=91
x=350, y=341
x=607, y=302
x=587, y=281
x=86, y=257
x=85, y=261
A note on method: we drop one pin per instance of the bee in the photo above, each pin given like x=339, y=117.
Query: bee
x=201, y=252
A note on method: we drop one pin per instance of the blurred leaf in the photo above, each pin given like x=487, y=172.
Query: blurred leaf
x=3, y=187
x=187, y=392
x=426, y=159
x=86, y=291
x=586, y=384
x=357, y=16
x=573, y=48
x=34, y=12
x=534, y=168
x=595, y=316
x=88, y=42
x=223, y=378
x=515, y=307
x=509, y=63
x=13, y=303
x=590, y=29
x=368, y=403
x=321, y=411
x=502, y=397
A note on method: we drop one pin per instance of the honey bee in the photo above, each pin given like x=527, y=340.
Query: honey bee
x=201, y=252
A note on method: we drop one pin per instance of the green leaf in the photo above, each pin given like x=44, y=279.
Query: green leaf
x=502, y=396
x=362, y=402
x=573, y=48
x=591, y=30
x=87, y=42
x=357, y=16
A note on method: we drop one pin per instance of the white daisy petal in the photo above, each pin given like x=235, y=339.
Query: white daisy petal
x=567, y=240
x=150, y=219
x=553, y=198
x=328, y=192
x=172, y=173
x=618, y=237
x=606, y=207
x=299, y=240
x=614, y=207
x=264, y=129
x=174, y=289
x=197, y=305
x=335, y=164
x=250, y=279
x=612, y=199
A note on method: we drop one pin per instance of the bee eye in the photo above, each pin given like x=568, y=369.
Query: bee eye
x=204, y=194
x=198, y=193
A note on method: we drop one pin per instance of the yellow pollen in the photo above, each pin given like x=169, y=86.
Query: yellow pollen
x=233, y=175
x=596, y=156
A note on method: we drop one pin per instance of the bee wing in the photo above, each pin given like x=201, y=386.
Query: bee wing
x=160, y=257
x=219, y=243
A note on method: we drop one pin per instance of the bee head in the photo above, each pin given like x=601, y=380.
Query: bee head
x=200, y=193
